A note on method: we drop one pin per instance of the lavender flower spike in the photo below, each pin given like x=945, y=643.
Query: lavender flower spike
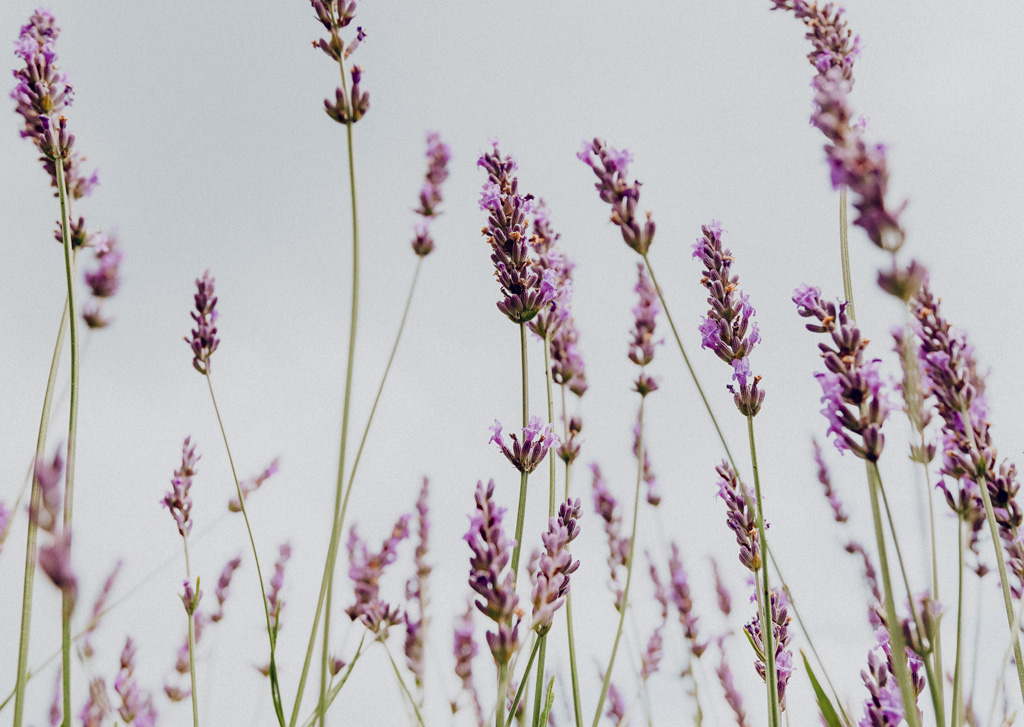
x=607, y=508
x=365, y=571
x=551, y=584
x=438, y=155
x=526, y=453
x=251, y=485
x=135, y=709
x=642, y=343
x=204, y=339
x=855, y=405
x=465, y=650
x=612, y=167
x=274, y=601
x=780, y=639
x=335, y=15
x=179, y=499
x=416, y=591
x=489, y=575
x=838, y=514
x=526, y=291
x=223, y=584
x=651, y=658
x=732, y=696
x=104, y=281
x=728, y=329
x=679, y=591
x=739, y=516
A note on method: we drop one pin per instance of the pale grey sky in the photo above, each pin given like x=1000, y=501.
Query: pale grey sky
x=205, y=121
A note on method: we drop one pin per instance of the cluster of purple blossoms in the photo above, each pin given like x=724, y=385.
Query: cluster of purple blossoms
x=179, y=499
x=274, y=601
x=416, y=590
x=350, y=106
x=612, y=167
x=721, y=591
x=465, y=650
x=190, y=597
x=870, y=578
x=607, y=508
x=55, y=557
x=728, y=329
x=527, y=291
x=549, y=257
x=679, y=590
x=489, y=575
x=952, y=380
x=616, y=706
x=912, y=390
x=651, y=658
x=569, y=449
x=438, y=156
x=251, y=485
x=136, y=708
x=97, y=705
x=838, y=514
x=732, y=696
x=855, y=405
x=85, y=647
x=780, y=640
x=204, y=339
x=103, y=281
x=526, y=453
x=740, y=516
x=365, y=571
x=884, y=705
x=223, y=587
x=551, y=584
x=642, y=342
x=649, y=478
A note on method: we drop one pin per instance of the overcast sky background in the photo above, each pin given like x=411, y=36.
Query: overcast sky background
x=205, y=121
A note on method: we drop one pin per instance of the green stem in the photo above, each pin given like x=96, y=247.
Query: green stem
x=537, y=646
x=574, y=675
x=30, y=547
x=67, y=604
x=524, y=477
x=401, y=683
x=499, y=706
x=336, y=689
x=629, y=569
x=767, y=625
x=892, y=618
x=686, y=360
x=958, y=686
x=844, y=254
x=275, y=688
x=191, y=639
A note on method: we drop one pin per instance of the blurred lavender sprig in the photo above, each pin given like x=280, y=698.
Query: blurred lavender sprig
x=135, y=708
x=679, y=591
x=781, y=638
x=365, y=571
x=103, y=281
x=438, y=156
x=556, y=565
x=732, y=695
x=465, y=650
x=650, y=479
x=650, y=660
x=252, y=484
x=85, y=648
x=223, y=586
x=55, y=556
x=416, y=590
x=275, y=603
x=179, y=499
x=607, y=508
x=838, y=514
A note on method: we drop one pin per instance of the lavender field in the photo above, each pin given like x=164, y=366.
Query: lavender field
x=583, y=364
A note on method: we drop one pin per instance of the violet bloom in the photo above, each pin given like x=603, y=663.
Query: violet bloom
x=740, y=516
x=190, y=597
x=85, y=648
x=179, y=499
x=526, y=453
x=135, y=707
x=365, y=571
x=679, y=591
x=780, y=640
x=612, y=167
x=54, y=557
x=251, y=485
x=855, y=404
x=732, y=696
x=223, y=584
x=274, y=601
x=551, y=584
x=567, y=366
x=616, y=706
x=642, y=343
x=607, y=508
x=884, y=705
x=204, y=339
x=334, y=15
x=416, y=591
x=651, y=658
x=489, y=575
x=550, y=258
x=729, y=329
x=465, y=650
x=649, y=478
x=526, y=290
x=97, y=706
x=103, y=281
x=569, y=450
x=721, y=591
x=870, y=577
x=55, y=562
x=438, y=155
x=838, y=514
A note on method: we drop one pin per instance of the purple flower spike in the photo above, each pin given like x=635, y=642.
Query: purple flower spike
x=135, y=708
x=651, y=658
x=465, y=650
x=525, y=289
x=97, y=705
x=55, y=562
x=47, y=477
x=607, y=508
x=334, y=15
x=838, y=514
x=251, y=485
x=551, y=584
x=190, y=597
x=554, y=266
x=884, y=706
x=103, y=281
x=855, y=404
x=274, y=600
x=679, y=590
x=416, y=591
x=780, y=639
x=732, y=696
x=204, y=339
x=721, y=591
x=223, y=585
x=85, y=649
x=570, y=449
x=526, y=453
x=489, y=576
x=650, y=479
x=728, y=329
x=740, y=516
x=438, y=156
x=612, y=167
x=616, y=706
x=642, y=343
x=179, y=499
x=365, y=571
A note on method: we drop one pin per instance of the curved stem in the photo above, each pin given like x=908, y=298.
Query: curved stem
x=844, y=253
x=537, y=646
x=30, y=546
x=191, y=640
x=401, y=683
x=275, y=688
x=336, y=689
x=524, y=477
x=958, y=686
x=768, y=626
x=629, y=569
x=67, y=603
x=899, y=650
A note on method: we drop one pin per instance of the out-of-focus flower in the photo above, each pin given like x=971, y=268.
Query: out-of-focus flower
x=85, y=648
x=732, y=696
x=179, y=499
x=465, y=650
x=569, y=450
x=721, y=591
x=607, y=508
x=438, y=155
x=651, y=658
x=103, y=281
x=416, y=590
x=274, y=601
x=838, y=514
x=223, y=584
x=649, y=478
x=97, y=705
x=679, y=591
x=135, y=708
x=251, y=485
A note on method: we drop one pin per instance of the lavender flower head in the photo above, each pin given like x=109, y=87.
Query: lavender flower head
x=438, y=155
x=55, y=557
x=85, y=648
x=334, y=15
x=416, y=590
x=569, y=450
x=650, y=479
x=732, y=696
x=855, y=405
x=549, y=257
x=526, y=291
x=190, y=596
x=551, y=584
x=204, y=339
x=103, y=281
x=651, y=658
x=740, y=516
x=607, y=508
x=729, y=329
x=465, y=650
x=274, y=601
x=642, y=343
x=780, y=639
x=529, y=451
x=365, y=571
x=135, y=708
x=223, y=586
x=721, y=591
x=179, y=499
x=884, y=705
x=838, y=514
x=251, y=485
x=679, y=591
x=489, y=576
x=612, y=167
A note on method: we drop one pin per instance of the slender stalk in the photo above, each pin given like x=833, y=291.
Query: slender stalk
x=520, y=515
x=576, y=706
x=844, y=253
x=275, y=688
x=537, y=646
x=191, y=640
x=69, y=473
x=401, y=683
x=686, y=360
x=629, y=569
x=958, y=685
x=768, y=626
x=1006, y=658
x=499, y=706
x=30, y=546
x=898, y=644
x=336, y=689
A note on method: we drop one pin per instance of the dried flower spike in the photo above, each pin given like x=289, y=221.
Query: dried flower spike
x=204, y=339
